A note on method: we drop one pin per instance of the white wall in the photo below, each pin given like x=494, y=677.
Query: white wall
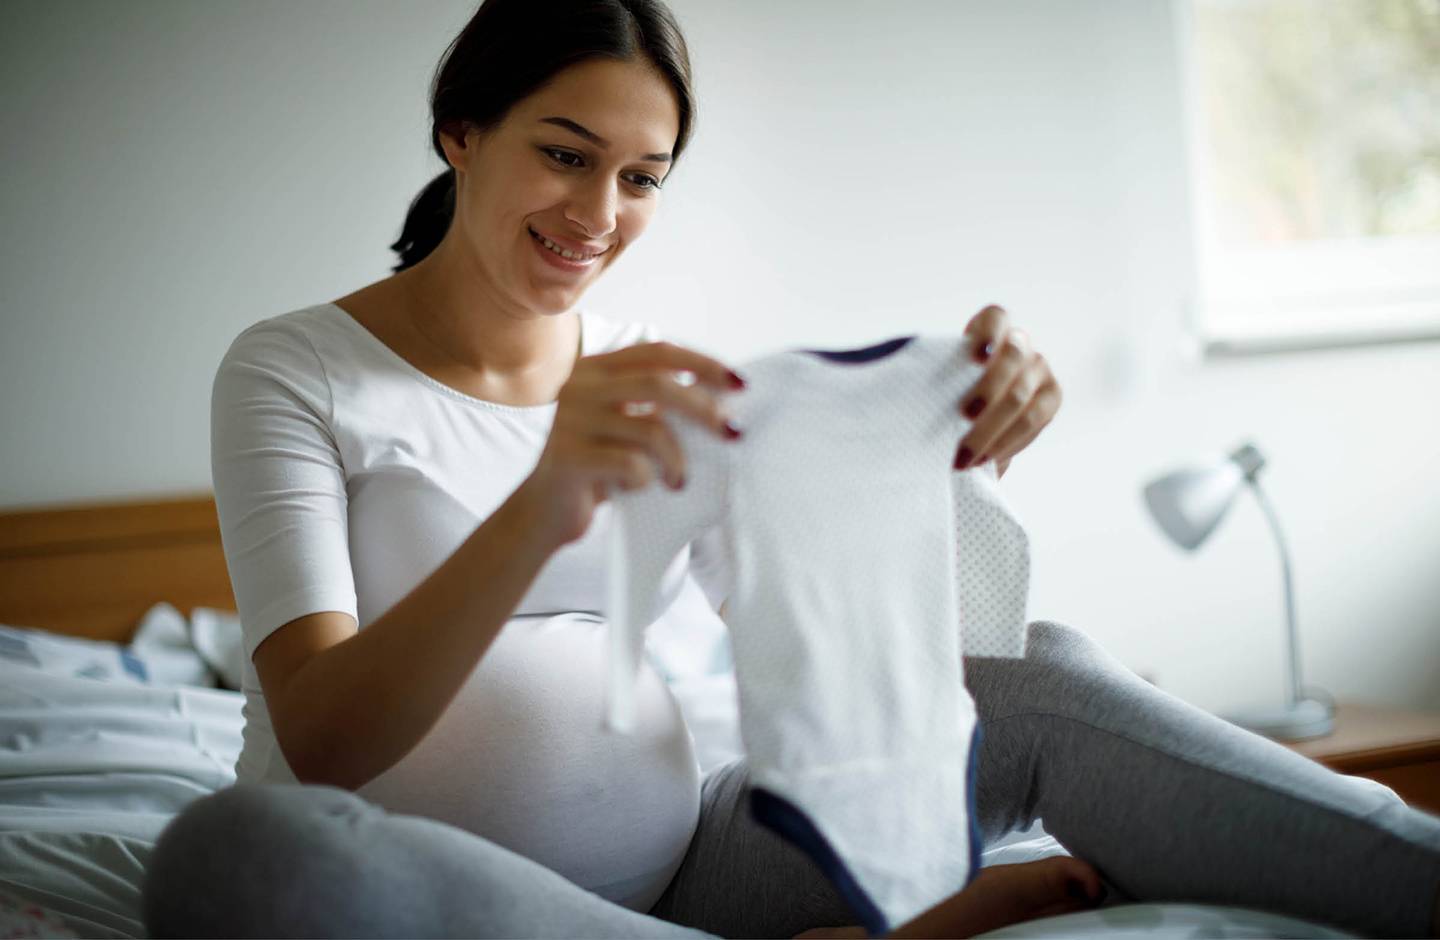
x=175, y=171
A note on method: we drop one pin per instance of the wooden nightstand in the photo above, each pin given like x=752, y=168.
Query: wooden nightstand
x=1400, y=749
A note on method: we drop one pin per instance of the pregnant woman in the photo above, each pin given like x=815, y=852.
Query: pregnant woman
x=412, y=484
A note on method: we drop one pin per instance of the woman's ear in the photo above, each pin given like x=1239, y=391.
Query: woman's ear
x=456, y=140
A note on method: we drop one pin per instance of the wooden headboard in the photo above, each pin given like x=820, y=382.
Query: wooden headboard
x=93, y=570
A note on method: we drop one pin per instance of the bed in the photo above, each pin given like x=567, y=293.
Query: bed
x=118, y=659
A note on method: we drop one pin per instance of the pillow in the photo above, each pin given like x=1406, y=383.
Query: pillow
x=167, y=650
x=216, y=637
x=69, y=656
x=162, y=644
x=161, y=653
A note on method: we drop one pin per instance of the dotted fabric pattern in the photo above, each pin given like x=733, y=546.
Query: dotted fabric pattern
x=862, y=566
x=992, y=566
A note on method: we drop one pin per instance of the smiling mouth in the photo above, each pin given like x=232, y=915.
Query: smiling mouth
x=564, y=252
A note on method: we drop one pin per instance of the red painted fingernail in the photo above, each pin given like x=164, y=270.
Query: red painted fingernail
x=731, y=431
x=736, y=382
x=962, y=459
x=985, y=352
x=983, y=459
x=972, y=410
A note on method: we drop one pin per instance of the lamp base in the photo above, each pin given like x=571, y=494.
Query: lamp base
x=1301, y=721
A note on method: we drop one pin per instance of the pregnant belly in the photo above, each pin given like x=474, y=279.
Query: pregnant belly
x=521, y=758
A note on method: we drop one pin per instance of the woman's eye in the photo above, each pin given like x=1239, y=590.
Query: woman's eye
x=644, y=180
x=563, y=157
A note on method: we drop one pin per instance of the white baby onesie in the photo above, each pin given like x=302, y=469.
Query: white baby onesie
x=858, y=558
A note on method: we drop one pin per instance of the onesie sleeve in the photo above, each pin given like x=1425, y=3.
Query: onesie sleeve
x=279, y=483
x=710, y=566
x=992, y=572
x=708, y=563
x=649, y=529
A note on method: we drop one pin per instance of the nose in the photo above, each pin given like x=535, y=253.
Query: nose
x=592, y=207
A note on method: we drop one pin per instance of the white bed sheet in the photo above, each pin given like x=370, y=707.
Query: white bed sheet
x=91, y=771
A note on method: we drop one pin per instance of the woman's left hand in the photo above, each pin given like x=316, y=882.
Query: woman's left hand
x=1015, y=398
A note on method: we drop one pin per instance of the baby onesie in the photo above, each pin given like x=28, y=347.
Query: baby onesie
x=862, y=566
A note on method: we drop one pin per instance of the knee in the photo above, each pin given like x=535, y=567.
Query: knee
x=1052, y=643
x=1063, y=655
x=232, y=857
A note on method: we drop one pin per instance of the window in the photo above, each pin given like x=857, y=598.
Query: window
x=1316, y=169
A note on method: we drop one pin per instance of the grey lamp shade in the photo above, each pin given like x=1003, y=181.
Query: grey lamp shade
x=1189, y=503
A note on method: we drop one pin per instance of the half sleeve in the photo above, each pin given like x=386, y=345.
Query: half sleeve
x=649, y=529
x=279, y=482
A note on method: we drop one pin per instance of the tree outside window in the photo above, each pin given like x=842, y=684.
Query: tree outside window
x=1318, y=170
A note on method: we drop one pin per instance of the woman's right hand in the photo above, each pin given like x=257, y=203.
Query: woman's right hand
x=608, y=430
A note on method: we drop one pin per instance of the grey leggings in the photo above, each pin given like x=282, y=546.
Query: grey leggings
x=1167, y=801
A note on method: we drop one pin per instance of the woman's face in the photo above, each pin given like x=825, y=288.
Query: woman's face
x=550, y=197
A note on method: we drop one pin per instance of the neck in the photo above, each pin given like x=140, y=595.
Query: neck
x=456, y=311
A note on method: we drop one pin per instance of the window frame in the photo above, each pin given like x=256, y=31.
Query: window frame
x=1309, y=295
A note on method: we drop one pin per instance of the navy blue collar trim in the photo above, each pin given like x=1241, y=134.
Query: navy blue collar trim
x=868, y=354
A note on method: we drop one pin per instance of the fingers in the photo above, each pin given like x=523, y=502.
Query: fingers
x=1012, y=402
x=622, y=466
x=1070, y=880
x=1082, y=879
x=1023, y=431
x=986, y=331
x=712, y=372
x=608, y=428
x=663, y=391
x=653, y=436
x=645, y=385
x=1006, y=364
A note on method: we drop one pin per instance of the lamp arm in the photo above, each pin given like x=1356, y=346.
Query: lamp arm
x=1294, y=666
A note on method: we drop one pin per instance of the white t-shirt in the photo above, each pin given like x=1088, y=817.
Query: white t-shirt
x=343, y=477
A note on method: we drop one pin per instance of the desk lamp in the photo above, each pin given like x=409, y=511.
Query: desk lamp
x=1188, y=504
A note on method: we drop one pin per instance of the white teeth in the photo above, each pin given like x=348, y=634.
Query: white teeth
x=562, y=252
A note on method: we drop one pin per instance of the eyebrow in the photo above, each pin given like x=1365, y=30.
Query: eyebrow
x=581, y=131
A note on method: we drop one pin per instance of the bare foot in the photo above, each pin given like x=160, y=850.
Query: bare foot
x=999, y=896
x=1009, y=894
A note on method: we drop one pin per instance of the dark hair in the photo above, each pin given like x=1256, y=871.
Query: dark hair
x=512, y=47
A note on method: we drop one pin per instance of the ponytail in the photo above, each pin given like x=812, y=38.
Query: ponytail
x=427, y=221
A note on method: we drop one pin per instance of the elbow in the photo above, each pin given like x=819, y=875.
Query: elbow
x=321, y=770
x=323, y=759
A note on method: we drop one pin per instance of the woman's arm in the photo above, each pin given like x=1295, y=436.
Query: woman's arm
x=347, y=705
